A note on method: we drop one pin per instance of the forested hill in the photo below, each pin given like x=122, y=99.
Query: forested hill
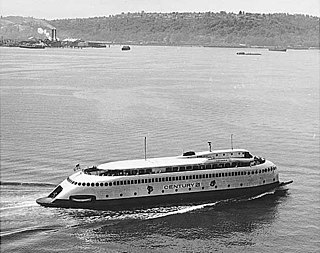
x=196, y=29
x=208, y=29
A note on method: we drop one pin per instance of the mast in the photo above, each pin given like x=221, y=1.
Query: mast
x=145, y=148
x=231, y=141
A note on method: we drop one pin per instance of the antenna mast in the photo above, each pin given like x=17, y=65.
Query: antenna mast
x=231, y=141
x=145, y=148
x=209, y=142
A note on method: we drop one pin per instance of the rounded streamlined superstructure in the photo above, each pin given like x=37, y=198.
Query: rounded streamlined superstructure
x=192, y=177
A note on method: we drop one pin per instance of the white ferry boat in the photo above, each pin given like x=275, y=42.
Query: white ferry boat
x=190, y=178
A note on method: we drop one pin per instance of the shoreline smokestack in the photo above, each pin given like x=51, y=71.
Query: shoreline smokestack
x=54, y=34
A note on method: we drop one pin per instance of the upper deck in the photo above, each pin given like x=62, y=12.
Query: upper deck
x=189, y=158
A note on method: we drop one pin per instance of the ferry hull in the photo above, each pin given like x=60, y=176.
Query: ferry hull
x=159, y=200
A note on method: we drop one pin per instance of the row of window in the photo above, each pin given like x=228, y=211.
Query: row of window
x=240, y=154
x=180, y=168
x=176, y=178
x=176, y=190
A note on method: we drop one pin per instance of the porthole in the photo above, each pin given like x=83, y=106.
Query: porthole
x=176, y=190
x=88, y=184
x=107, y=196
x=241, y=184
x=202, y=188
x=92, y=184
x=83, y=184
x=97, y=184
x=79, y=184
x=189, y=189
x=101, y=184
x=216, y=186
x=110, y=184
x=274, y=179
x=228, y=185
x=162, y=191
x=264, y=181
x=121, y=194
x=135, y=193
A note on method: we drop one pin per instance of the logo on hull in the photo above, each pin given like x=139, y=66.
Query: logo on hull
x=150, y=189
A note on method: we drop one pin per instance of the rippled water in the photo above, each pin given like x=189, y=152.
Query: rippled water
x=60, y=107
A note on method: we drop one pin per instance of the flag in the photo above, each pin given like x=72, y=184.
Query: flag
x=77, y=167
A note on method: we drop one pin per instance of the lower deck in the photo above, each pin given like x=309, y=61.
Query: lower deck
x=159, y=200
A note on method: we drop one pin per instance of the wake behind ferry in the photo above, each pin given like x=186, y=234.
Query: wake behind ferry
x=190, y=178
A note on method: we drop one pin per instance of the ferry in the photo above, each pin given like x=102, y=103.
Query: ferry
x=193, y=177
x=125, y=48
x=279, y=49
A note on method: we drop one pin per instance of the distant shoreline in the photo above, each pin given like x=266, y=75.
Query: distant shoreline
x=183, y=45
x=221, y=29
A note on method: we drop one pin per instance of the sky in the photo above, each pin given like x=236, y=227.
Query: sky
x=59, y=9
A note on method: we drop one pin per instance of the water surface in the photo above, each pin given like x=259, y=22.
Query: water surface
x=60, y=107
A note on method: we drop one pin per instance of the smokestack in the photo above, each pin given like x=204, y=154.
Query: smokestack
x=54, y=34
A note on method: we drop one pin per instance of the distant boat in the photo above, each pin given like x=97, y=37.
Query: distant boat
x=99, y=45
x=32, y=46
x=280, y=49
x=125, y=48
x=244, y=53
